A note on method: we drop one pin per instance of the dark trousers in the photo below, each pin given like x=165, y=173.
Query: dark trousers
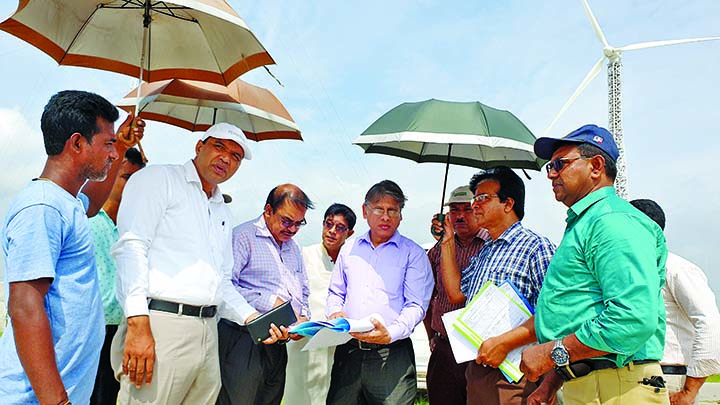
x=251, y=374
x=445, y=378
x=487, y=386
x=106, y=386
x=377, y=376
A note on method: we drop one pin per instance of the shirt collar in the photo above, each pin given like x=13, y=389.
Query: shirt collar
x=586, y=202
x=192, y=176
x=482, y=235
x=511, y=232
x=395, y=239
x=262, y=230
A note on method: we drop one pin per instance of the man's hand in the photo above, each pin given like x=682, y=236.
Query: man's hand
x=436, y=227
x=339, y=314
x=682, y=398
x=546, y=392
x=276, y=334
x=448, y=231
x=131, y=131
x=536, y=361
x=378, y=334
x=139, y=354
x=492, y=352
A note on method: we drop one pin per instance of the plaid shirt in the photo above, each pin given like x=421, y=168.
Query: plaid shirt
x=263, y=270
x=520, y=255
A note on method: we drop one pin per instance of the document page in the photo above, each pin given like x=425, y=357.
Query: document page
x=334, y=332
x=494, y=311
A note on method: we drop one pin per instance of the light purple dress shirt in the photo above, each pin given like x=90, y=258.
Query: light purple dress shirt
x=393, y=279
x=263, y=270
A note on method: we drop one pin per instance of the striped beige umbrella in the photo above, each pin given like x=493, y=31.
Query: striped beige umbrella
x=157, y=40
x=198, y=105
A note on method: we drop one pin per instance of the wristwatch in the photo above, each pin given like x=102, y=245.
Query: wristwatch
x=559, y=354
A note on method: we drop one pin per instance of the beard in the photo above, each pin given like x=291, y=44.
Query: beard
x=94, y=174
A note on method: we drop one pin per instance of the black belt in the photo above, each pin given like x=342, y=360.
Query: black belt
x=374, y=346
x=674, y=370
x=205, y=311
x=581, y=368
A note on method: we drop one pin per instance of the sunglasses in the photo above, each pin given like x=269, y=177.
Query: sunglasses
x=559, y=164
x=288, y=223
x=339, y=228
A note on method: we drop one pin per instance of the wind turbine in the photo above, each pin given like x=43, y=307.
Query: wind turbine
x=614, y=64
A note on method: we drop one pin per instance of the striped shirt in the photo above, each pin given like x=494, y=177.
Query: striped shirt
x=440, y=301
x=519, y=255
x=264, y=270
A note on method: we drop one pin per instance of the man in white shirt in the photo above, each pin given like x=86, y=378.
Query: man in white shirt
x=692, y=334
x=308, y=373
x=174, y=264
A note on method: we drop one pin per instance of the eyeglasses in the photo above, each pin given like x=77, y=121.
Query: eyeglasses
x=481, y=198
x=288, y=223
x=559, y=164
x=339, y=228
x=392, y=213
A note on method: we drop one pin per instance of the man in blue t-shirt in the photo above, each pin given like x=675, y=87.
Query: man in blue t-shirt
x=49, y=353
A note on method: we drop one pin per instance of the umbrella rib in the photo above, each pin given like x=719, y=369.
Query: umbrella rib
x=77, y=34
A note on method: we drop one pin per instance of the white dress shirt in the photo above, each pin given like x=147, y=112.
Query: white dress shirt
x=692, y=336
x=175, y=244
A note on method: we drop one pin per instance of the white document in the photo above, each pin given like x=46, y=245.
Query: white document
x=326, y=337
x=463, y=349
x=494, y=311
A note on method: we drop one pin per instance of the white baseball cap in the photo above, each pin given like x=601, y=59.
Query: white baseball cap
x=223, y=130
x=461, y=194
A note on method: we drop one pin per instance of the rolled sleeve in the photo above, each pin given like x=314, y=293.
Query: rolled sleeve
x=693, y=295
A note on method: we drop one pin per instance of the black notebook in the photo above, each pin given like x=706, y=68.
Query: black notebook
x=282, y=315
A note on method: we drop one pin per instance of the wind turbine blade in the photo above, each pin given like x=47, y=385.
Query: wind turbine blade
x=595, y=24
x=655, y=44
x=588, y=78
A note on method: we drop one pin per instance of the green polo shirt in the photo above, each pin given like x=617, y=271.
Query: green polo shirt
x=604, y=282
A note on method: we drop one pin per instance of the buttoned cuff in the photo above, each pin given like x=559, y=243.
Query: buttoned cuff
x=395, y=331
x=136, y=306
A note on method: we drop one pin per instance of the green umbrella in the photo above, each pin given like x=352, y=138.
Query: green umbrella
x=463, y=133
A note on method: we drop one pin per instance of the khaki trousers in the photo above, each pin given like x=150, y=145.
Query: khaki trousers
x=187, y=369
x=616, y=386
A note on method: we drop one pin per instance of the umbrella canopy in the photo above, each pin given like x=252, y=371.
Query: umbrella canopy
x=481, y=136
x=463, y=133
x=197, y=105
x=188, y=39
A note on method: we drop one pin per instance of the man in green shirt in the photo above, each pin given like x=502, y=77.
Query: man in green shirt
x=600, y=317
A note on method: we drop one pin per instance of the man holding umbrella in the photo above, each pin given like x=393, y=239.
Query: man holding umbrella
x=513, y=253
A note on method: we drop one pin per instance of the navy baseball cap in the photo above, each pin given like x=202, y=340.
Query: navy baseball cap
x=592, y=134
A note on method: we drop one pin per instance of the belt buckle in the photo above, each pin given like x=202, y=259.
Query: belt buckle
x=180, y=309
x=360, y=346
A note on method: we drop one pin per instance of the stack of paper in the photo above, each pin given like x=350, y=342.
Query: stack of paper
x=333, y=332
x=492, y=312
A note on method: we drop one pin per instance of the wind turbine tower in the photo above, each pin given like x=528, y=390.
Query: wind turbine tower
x=613, y=56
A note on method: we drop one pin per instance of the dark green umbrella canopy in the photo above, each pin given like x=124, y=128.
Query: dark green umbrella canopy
x=462, y=133
x=481, y=136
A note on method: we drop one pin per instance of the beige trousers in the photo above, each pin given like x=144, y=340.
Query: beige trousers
x=187, y=368
x=619, y=386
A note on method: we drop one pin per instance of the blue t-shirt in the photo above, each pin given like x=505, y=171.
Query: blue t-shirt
x=45, y=234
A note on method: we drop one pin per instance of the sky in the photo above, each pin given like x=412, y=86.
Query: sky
x=343, y=64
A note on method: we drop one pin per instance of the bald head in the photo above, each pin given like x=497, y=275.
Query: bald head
x=285, y=211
